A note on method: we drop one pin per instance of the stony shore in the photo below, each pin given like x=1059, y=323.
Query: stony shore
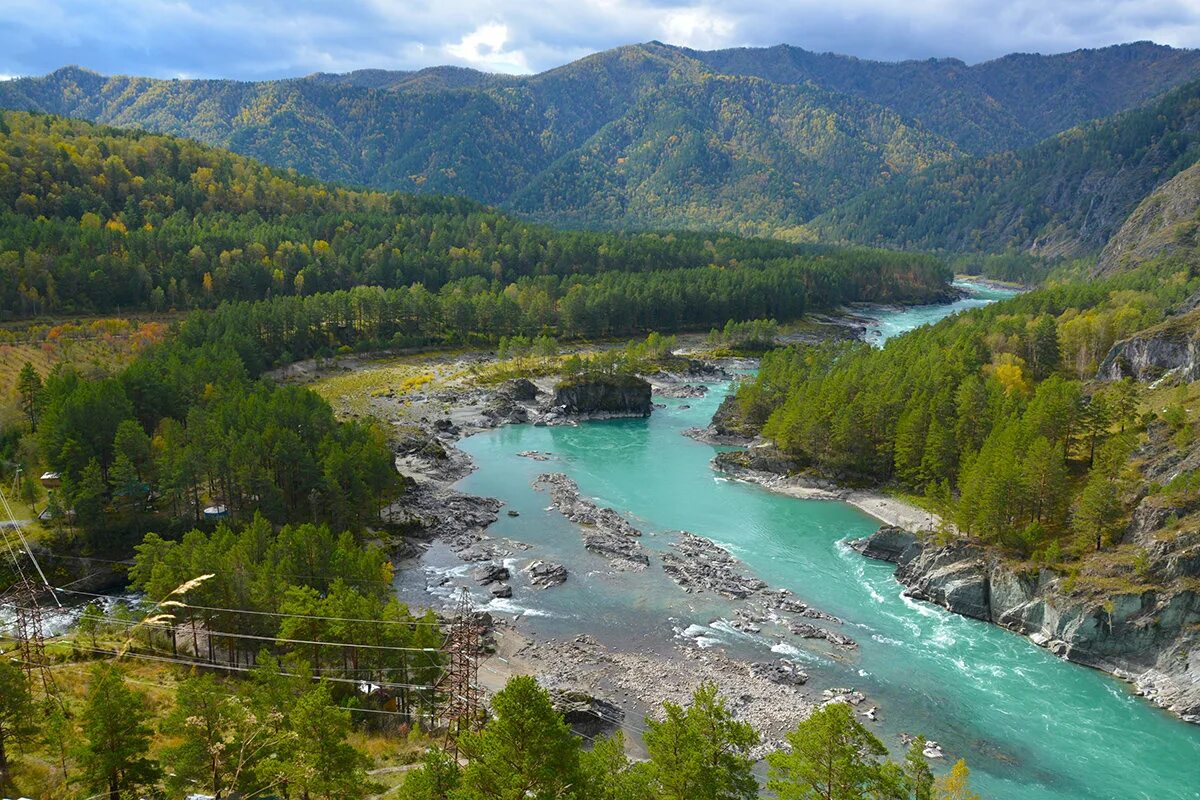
x=886, y=509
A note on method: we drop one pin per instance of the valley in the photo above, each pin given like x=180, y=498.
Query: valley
x=668, y=424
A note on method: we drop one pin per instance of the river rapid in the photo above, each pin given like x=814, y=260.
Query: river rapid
x=1032, y=727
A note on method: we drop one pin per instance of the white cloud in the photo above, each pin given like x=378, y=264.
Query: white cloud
x=484, y=48
x=698, y=28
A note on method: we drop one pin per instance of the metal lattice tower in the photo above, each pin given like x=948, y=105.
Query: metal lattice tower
x=25, y=598
x=30, y=634
x=460, y=683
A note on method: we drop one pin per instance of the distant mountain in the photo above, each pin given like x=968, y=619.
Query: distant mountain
x=1063, y=197
x=1008, y=103
x=646, y=135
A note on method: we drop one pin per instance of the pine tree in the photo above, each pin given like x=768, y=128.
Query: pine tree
x=320, y=763
x=1099, y=509
x=701, y=752
x=112, y=757
x=88, y=497
x=1046, y=479
x=29, y=387
x=17, y=716
x=525, y=750
x=918, y=778
x=437, y=778
x=1043, y=347
x=831, y=756
x=608, y=774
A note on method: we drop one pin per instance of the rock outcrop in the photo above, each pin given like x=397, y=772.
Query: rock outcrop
x=700, y=564
x=604, y=531
x=625, y=395
x=1147, y=637
x=1169, y=349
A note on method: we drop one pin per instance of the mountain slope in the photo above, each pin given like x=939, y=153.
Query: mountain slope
x=95, y=218
x=1165, y=223
x=1004, y=104
x=1064, y=196
x=726, y=151
x=645, y=135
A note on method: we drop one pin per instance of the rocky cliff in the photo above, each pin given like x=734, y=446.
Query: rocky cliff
x=1169, y=349
x=618, y=395
x=1147, y=637
x=1164, y=223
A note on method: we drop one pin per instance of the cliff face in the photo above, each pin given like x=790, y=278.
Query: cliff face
x=1148, y=637
x=1165, y=222
x=1171, y=348
x=626, y=396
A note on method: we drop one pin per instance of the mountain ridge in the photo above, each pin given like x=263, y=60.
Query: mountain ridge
x=756, y=141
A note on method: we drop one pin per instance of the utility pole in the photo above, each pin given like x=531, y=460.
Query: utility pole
x=460, y=683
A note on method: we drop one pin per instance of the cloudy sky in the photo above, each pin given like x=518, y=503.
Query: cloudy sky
x=274, y=38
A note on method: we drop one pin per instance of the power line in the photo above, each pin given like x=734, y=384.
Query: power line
x=272, y=613
x=118, y=654
x=232, y=694
x=162, y=626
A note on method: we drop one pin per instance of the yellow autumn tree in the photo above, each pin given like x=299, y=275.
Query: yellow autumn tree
x=954, y=784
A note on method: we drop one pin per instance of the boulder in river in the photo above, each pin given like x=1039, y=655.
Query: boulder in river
x=544, y=574
x=489, y=573
x=626, y=395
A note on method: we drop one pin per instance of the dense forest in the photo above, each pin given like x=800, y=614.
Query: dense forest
x=94, y=219
x=646, y=135
x=992, y=415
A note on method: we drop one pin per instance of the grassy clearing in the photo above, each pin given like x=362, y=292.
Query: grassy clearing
x=93, y=346
x=352, y=391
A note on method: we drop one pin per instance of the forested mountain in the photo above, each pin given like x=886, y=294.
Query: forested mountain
x=645, y=135
x=1003, y=104
x=1064, y=196
x=95, y=218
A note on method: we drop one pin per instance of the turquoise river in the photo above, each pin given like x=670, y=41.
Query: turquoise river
x=1032, y=727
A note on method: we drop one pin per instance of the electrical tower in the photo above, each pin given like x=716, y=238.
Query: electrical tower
x=24, y=596
x=29, y=630
x=460, y=683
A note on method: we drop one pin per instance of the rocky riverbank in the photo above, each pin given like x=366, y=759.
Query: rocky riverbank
x=766, y=467
x=1148, y=637
x=429, y=421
